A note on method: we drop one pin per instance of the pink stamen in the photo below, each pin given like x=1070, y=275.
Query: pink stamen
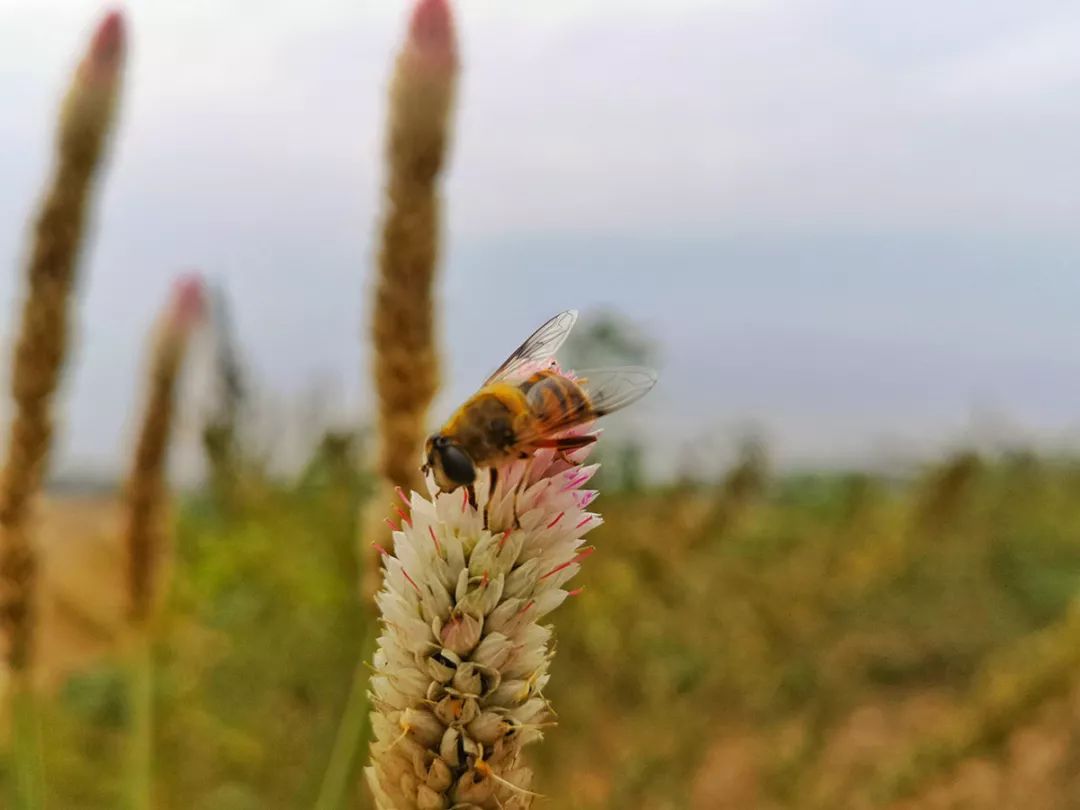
x=401, y=494
x=581, y=479
x=404, y=517
x=484, y=579
x=435, y=540
x=381, y=550
x=390, y=523
x=581, y=555
x=530, y=603
x=576, y=481
x=584, y=520
x=464, y=499
x=589, y=498
x=558, y=517
x=503, y=539
x=575, y=592
x=406, y=575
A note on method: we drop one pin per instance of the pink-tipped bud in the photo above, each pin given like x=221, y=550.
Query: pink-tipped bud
x=106, y=53
x=431, y=35
x=188, y=303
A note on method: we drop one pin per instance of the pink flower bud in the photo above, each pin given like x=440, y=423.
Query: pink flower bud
x=106, y=53
x=188, y=303
x=431, y=35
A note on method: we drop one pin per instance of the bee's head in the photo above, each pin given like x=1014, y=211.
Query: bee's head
x=450, y=465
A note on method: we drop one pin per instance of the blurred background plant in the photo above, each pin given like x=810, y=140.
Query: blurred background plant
x=606, y=338
x=748, y=637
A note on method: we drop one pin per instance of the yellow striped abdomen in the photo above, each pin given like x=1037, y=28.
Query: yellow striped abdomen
x=555, y=399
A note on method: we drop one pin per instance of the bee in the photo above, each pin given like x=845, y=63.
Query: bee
x=527, y=405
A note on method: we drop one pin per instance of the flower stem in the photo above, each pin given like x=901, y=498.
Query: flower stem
x=352, y=736
x=26, y=745
x=140, y=686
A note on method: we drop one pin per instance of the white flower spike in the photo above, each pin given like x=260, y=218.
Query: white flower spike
x=462, y=661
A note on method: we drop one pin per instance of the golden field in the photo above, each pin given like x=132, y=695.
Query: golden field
x=764, y=641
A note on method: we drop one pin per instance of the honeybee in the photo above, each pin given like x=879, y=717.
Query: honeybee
x=526, y=405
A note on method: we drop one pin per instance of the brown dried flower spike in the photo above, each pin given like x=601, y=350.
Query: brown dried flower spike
x=406, y=362
x=146, y=533
x=85, y=122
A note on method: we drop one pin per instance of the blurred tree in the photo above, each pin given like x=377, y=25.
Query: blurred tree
x=219, y=433
x=604, y=339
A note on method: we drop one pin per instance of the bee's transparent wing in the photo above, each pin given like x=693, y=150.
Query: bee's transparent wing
x=540, y=346
x=612, y=389
x=606, y=389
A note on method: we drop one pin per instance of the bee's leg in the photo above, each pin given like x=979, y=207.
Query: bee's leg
x=518, y=487
x=566, y=444
x=493, y=479
x=471, y=491
x=517, y=492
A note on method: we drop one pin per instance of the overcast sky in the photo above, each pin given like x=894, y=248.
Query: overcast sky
x=850, y=224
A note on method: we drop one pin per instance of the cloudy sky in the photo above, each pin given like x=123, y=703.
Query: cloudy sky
x=849, y=225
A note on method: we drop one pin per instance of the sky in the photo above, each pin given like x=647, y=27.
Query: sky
x=849, y=226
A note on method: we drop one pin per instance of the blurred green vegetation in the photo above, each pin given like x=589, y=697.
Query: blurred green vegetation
x=730, y=639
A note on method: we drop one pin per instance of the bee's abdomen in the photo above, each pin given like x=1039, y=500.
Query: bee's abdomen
x=555, y=399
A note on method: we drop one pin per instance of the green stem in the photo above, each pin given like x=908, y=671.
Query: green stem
x=139, y=781
x=351, y=739
x=26, y=745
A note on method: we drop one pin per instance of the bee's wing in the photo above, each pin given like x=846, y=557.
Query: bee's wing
x=612, y=389
x=540, y=346
x=606, y=389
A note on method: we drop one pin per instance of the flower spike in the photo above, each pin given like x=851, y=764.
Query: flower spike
x=462, y=660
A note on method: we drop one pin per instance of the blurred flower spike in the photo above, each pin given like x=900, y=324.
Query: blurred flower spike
x=405, y=362
x=462, y=659
x=148, y=532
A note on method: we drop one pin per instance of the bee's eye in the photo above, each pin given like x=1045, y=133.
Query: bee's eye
x=457, y=465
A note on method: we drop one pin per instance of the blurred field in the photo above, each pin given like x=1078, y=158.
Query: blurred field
x=810, y=642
